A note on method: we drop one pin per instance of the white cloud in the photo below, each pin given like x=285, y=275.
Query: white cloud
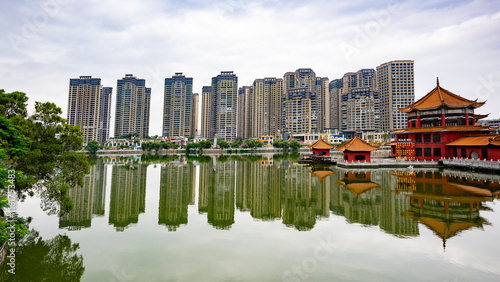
x=454, y=40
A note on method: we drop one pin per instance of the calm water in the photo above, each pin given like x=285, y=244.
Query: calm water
x=266, y=220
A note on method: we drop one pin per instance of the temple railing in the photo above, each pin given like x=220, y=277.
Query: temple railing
x=472, y=163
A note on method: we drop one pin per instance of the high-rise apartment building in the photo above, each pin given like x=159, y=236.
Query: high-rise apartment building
x=265, y=109
x=104, y=114
x=178, y=107
x=244, y=112
x=360, y=109
x=133, y=101
x=335, y=100
x=395, y=82
x=224, y=106
x=303, y=84
x=207, y=126
x=300, y=111
x=196, y=102
x=89, y=108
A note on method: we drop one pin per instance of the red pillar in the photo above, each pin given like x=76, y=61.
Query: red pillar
x=466, y=118
x=443, y=121
x=473, y=119
x=408, y=122
x=418, y=122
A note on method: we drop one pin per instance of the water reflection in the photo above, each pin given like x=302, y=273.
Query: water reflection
x=272, y=189
x=128, y=194
x=88, y=200
x=53, y=259
x=445, y=203
x=177, y=191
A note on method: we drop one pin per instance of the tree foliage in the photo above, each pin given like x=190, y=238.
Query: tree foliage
x=92, y=147
x=253, y=143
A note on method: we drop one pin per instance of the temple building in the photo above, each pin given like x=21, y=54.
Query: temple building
x=321, y=148
x=435, y=122
x=357, y=149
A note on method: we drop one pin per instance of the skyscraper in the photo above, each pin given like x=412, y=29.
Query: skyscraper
x=360, y=109
x=311, y=114
x=196, y=102
x=395, y=82
x=244, y=112
x=178, y=110
x=88, y=108
x=206, y=112
x=104, y=114
x=133, y=100
x=224, y=106
x=335, y=100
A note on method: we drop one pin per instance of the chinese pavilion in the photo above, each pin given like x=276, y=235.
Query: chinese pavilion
x=357, y=149
x=435, y=122
x=321, y=148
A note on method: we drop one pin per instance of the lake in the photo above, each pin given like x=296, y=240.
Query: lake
x=266, y=219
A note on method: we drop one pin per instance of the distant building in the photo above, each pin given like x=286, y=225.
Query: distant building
x=360, y=109
x=196, y=104
x=491, y=122
x=335, y=89
x=178, y=107
x=222, y=111
x=245, y=109
x=207, y=121
x=89, y=107
x=104, y=114
x=133, y=101
x=395, y=83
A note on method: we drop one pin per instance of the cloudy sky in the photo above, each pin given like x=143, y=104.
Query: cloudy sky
x=45, y=43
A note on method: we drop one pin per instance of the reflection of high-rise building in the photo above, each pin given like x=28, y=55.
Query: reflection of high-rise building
x=133, y=101
x=87, y=200
x=178, y=107
x=128, y=194
x=304, y=198
x=89, y=107
x=259, y=189
x=216, y=196
x=177, y=183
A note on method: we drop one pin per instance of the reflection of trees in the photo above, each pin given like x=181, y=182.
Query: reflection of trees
x=177, y=182
x=46, y=260
x=128, y=194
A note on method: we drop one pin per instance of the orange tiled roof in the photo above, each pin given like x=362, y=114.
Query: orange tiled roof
x=359, y=188
x=440, y=97
x=356, y=144
x=478, y=117
x=483, y=140
x=322, y=174
x=444, y=128
x=321, y=145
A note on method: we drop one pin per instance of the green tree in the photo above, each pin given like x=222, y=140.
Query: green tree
x=253, y=143
x=223, y=144
x=295, y=145
x=280, y=143
x=386, y=137
x=92, y=147
x=13, y=104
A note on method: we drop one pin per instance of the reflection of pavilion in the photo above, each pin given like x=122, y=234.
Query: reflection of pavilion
x=446, y=205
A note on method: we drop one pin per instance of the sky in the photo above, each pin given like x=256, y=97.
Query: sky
x=45, y=43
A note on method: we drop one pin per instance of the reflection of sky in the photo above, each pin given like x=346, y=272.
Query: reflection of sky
x=255, y=250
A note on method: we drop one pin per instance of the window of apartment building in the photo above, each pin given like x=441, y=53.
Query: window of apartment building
x=427, y=152
x=418, y=152
x=436, y=138
x=437, y=152
x=418, y=139
x=427, y=138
